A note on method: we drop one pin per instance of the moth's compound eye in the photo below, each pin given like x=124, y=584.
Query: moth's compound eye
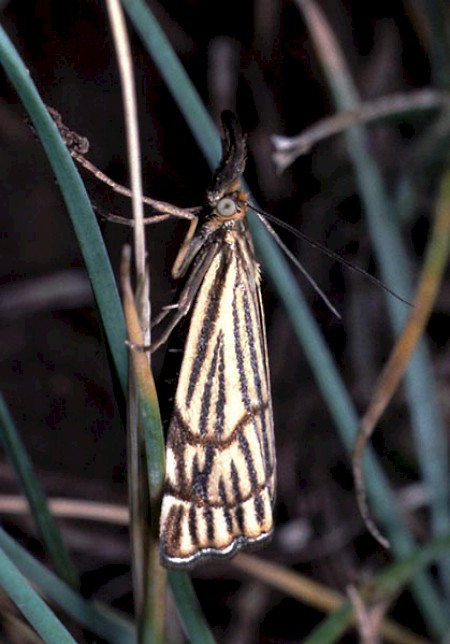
x=226, y=207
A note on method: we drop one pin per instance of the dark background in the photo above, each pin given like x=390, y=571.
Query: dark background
x=257, y=59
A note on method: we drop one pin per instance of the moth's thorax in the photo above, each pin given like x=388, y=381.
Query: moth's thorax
x=233, y=234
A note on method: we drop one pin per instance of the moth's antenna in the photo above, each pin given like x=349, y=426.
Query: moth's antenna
x=297, y=264
x=315, y=244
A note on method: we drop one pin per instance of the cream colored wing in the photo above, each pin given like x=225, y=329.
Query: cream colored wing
x=220, y=463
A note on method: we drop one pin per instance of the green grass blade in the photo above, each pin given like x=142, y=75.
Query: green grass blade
x=106, y=624
x=388, y=582
x=197, y=630
x=78, y=205
x=332, y=628
x=43, y=620
x=439, y=42
x=45, y=522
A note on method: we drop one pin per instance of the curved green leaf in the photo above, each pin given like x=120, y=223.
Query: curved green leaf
x=31, y=605
x=105, y=623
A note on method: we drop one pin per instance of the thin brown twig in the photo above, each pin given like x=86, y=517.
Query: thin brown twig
x=70, y=509
x=430, y=280
x=287, y=149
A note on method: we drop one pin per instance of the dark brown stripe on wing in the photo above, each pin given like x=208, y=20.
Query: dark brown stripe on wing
x=208, y=516
x=173, y=532
x=254, y=485
x=245, y=449
x=175, y=443
x=256, y=367
x=249, y=340
x=206, y=398
x=193, y=525
x=200, y=476
x=220, y=404
x=237, y=497
x=238, y=351
x=259, y=509
x=208, y=324
x=225, y=506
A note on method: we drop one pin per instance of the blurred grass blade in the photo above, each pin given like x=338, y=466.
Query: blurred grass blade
x=138, y=497
x=78, y=205
x=45, y=522
x=195, y=626
x=427, y=423
x=389, y=582
x=430, y=281
x=437, y=33
x=107, y=624
x=322, y=598
x=31, y=605
x=152, y=577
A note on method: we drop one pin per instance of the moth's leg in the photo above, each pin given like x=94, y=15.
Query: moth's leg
x=184, y=303
x=164, y=313
x=187, y=296
x=124, y=221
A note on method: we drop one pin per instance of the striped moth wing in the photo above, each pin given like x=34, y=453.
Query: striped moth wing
x=220, y=456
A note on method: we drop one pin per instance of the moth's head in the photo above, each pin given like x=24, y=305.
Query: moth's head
x=227, y=177
x=225, y=198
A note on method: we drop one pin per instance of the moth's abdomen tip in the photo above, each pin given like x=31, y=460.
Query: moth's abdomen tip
x=191, y=534
x=182, y=561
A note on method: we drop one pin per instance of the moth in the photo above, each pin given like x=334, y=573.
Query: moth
x=220, y=454
x=220, y=465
